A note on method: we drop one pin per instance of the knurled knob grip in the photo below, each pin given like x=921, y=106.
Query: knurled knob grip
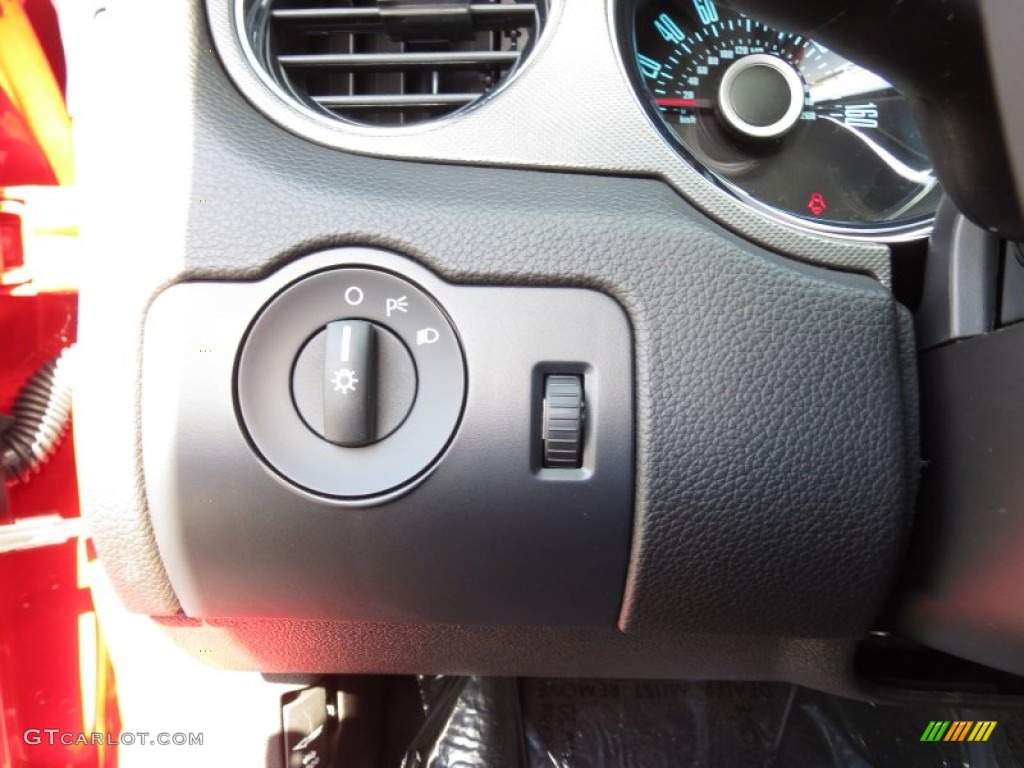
x=562, y=430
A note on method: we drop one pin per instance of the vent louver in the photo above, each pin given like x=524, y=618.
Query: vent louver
x=391, y=62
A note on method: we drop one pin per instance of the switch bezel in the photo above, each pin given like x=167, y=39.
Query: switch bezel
x=481, y=537
x=263, y=383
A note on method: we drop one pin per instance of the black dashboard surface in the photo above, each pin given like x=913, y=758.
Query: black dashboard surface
x=776, y=437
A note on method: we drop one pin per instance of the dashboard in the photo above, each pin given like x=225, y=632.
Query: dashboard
x=683, y=216
x=578, y=102
x=832, y=148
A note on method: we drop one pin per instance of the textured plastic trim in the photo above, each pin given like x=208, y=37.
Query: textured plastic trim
x=571, y=107
x=483, y=539
x=719, y=327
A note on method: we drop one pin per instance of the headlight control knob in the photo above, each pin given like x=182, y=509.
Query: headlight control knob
x=350, y=383
x=354, y=383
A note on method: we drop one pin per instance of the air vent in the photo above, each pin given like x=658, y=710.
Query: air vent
x=391, y=62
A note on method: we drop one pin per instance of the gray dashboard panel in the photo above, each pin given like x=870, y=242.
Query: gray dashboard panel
x=571, y=108
x=771, y=399
x=485, y=537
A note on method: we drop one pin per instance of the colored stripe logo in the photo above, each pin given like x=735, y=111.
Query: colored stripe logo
x=959, y=730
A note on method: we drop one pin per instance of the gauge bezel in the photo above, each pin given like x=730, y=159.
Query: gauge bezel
x=624, y=32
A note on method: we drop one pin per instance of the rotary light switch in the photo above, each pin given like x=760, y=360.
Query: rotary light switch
x=354, y=383
x=351, y=382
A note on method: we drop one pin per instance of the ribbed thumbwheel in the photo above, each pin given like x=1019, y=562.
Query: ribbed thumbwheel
x=563, y=421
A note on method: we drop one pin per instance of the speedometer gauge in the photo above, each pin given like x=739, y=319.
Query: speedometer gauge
x=783, y=122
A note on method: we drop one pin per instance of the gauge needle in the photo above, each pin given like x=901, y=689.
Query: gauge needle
x=677, y=103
